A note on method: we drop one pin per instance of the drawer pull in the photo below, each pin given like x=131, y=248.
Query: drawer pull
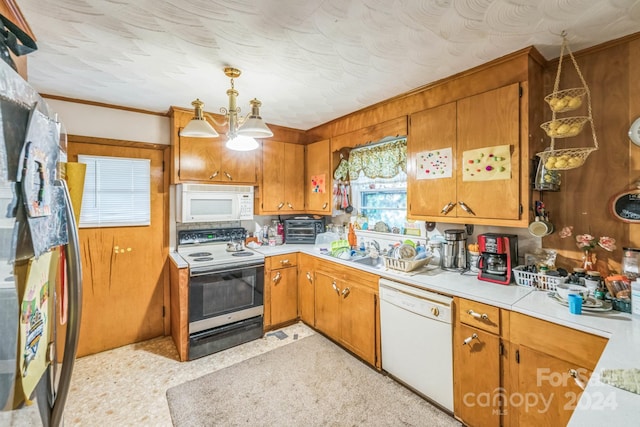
x=335, y=288
x=482, y=316
x=277, y=278
x=345, y=292
x=280, y=205
x=213, y=175
x=325, y=205
x=576, y=377
x=284, y=261
x=469, y=339
x=289, y=205
x=309, y=278
x=229, y=177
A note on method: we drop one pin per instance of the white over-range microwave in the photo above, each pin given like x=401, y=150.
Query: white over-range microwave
x=210, y=202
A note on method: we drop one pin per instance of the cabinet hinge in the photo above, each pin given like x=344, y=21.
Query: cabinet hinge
x=521, y=209
x=521, y=92
x=501, y=349
x=163, y=311
x=517, y=356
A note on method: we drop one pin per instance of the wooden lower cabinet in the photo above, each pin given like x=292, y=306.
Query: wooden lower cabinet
x=550, y=364
x=346, y=309
x=477, y=376
x=548, y=393
x=306, y=289
x=281, y=290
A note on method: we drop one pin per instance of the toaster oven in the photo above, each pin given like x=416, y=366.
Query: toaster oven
x=302, y=230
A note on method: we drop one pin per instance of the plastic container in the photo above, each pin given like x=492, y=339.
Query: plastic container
x=575, y=304
x=635, y=297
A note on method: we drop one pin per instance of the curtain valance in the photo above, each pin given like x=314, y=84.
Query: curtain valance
x=382, y=159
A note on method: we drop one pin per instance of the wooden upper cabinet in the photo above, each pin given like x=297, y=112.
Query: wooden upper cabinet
x=431, y=129
x=207, y=159
x=317, y=183
x=282, y=186
x=481, y=121
x=486, y=120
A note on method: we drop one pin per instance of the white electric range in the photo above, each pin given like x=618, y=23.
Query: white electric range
x=226, y=289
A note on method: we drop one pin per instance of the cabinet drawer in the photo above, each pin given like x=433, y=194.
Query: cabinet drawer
x=281, y=261
x=481, y=316
x=571, y=345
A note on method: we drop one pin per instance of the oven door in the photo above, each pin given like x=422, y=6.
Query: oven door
x=225, y=296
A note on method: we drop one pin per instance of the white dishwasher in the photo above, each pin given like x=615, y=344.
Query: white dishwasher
x=415, y=327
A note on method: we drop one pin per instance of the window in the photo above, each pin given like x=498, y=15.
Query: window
x=381, y=200
x=117, y=192
x=388, y=206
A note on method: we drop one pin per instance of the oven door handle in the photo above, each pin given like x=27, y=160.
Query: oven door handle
x=228, y=270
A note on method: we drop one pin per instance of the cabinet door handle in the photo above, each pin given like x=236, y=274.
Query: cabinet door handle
x=213, y=175
x=309, y=277
x=335, y=287
x=280, y=205
x=284, y=261
x=325, y=205
x=447, y=208
x=466, y=208
x=576, y=377
x=345, y=292
x=482, y=316
x=289, y=205
x=229, y=177
x=277, y=278
x=469, y=339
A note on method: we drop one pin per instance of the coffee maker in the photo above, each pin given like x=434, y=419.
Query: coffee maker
x=498, y=256
x=454, y=250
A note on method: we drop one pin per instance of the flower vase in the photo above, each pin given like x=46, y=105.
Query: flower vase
x=589, y=261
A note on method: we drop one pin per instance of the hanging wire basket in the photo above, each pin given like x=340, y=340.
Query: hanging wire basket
x=566, y=100
x=562, y=101
x=564, y=128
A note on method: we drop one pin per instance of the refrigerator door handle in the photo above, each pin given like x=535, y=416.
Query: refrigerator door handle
x=74, y=281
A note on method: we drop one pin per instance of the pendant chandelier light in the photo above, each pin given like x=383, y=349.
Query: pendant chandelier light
x=242, y=130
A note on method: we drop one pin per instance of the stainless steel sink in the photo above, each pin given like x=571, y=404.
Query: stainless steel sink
x=369, y=261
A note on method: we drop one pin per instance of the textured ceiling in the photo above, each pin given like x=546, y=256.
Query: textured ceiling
x=308, y=61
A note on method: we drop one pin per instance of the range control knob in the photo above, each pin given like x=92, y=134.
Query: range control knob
x=435, y=311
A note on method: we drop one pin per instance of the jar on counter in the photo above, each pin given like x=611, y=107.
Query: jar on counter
x=593, y=281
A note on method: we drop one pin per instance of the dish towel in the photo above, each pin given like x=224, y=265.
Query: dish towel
x=626, y=379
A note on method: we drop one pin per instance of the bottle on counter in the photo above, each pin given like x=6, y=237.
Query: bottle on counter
x=280, y=232
x=351, y=237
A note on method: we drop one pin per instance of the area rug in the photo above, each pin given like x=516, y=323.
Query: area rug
x=310, y=382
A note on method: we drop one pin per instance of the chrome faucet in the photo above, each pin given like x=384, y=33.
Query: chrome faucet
x=375, y=245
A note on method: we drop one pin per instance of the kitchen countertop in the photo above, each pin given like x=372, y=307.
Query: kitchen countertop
x=600, y=404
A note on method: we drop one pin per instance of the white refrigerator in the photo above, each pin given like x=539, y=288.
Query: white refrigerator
x=40, y=269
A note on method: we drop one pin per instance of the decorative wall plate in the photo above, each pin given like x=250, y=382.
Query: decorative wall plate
x=634, y=131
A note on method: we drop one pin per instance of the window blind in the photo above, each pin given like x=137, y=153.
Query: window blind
x=117, y=192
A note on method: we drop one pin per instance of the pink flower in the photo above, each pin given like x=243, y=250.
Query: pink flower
x=607, y=243
x=565, y=232
x=588, y=242
x=585, y=241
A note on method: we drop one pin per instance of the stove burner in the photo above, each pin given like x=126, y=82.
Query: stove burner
x=203, y=259
x=242, y=254
x=199, y=254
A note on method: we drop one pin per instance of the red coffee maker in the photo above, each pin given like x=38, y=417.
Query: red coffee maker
x=498, y=255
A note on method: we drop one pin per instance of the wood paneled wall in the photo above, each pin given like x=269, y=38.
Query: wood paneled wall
x=611, y=72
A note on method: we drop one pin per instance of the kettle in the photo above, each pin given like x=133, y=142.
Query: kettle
x=234, y=246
